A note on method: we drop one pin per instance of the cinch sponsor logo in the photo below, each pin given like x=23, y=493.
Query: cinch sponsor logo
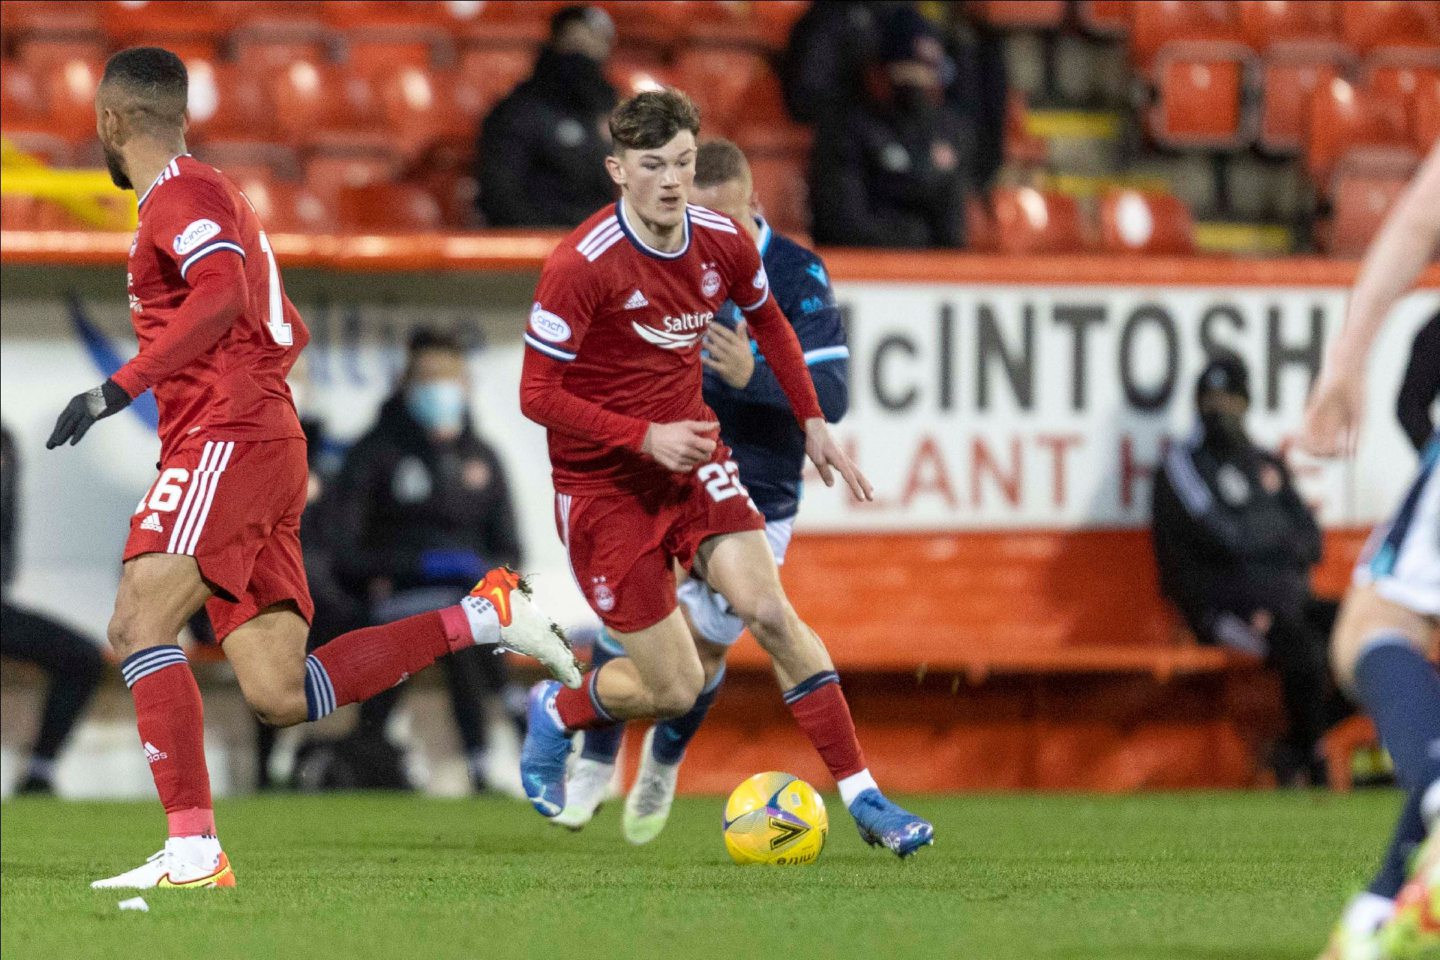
x=548, y=326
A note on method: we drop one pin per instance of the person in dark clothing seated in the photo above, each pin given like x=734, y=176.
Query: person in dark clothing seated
x=72, y=663
x=541, y=155
x=421, y=508
x=1235, y=545
x=893, y=170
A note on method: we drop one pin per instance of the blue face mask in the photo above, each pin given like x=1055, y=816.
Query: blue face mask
x=438, y=406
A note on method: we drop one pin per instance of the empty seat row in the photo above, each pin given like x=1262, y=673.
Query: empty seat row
x=1026, y=221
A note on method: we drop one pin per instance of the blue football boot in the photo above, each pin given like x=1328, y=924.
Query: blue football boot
x=884, y=823
x=547, y=747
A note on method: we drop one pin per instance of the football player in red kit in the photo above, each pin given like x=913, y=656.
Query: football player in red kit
x=612, y=370
x=220, y=526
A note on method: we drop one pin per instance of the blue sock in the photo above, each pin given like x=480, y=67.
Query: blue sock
x=1409, y=834
x=603, y=743
x=1401, y=691
x=674, y=735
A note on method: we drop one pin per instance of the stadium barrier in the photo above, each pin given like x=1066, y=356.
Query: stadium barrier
x=995, y=612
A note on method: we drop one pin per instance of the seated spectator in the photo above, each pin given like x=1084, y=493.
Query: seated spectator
x=831, y=47
x=419, y=511
x=1235, y=545
x=892, y=170
x=541, y=156
x=72, y=663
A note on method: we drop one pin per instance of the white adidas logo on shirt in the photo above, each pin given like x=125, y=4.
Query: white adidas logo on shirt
x=636, y=301
x=153, y=753
x=152, y=522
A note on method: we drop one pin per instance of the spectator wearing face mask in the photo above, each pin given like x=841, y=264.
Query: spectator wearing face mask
x=893, y=169
x=1235, y=545
x=541, y=156
x=421, y=509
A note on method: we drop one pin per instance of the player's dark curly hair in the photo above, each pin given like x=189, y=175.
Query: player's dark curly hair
x=651, y=119
x=154, y=82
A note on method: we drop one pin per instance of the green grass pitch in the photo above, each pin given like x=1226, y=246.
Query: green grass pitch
x=1199, y=876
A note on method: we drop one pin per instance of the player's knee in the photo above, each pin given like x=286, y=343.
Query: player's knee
x=769, y=617
x=677, y=695
x=125, y=632
x=276, y=704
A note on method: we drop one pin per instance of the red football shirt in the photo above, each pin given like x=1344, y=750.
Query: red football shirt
x=235, y=389
x=614, y=342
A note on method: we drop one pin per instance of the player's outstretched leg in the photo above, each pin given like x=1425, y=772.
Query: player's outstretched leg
x=741, y=567
x=498, y=613
x=592, y=770
x=158, y=594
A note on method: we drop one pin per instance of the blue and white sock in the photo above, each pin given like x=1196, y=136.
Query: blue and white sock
x=602, y=744
x=674, y=735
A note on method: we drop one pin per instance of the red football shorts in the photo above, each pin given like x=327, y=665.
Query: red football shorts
x=234, y=506
x=621, y=547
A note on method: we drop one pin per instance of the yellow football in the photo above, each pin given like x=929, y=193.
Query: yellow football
x=776, y=819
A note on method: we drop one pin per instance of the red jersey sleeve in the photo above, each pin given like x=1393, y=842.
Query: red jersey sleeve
x=190, y=222
x=565, y=303
x=750, y=291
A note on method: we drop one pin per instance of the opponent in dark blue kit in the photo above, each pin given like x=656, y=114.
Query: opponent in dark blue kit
x=757, y=425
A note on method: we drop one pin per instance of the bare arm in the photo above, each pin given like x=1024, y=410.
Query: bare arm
x=1396, y=257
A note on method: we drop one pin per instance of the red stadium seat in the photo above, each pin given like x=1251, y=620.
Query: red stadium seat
x=69, y=91
x=375, y=49
x=45, y=50
x=21, y=98
x=653, y=24
x=504, y=23
x=228, y=101
x=349, y=14
x=1022, y=146
x=1201, y=95
x=1020, y=14
x=631, y=75
x=287, y=207
x=1367, y=24
x=981, y=231
x=240, y=13
x=765, y=111
x=1029, y=221
x=1291, y=73
x=265, y=44
x=1146, y=223
x=1104, y=18
x=51, y=17
x=718, y=80
x=420, y=111
x=36, y=139
x=321, y=105
x=1268, y=22
x=784, y=193
x=182, y=21
x=1156, y=23
x=775, y=19
x=1344, y=118
x=486, y=75
x=1360, y=202
x=387, y=208
x=719, y=23
x=326, y=173
x=242, y=157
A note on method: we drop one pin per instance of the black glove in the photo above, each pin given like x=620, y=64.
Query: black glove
x=84, y=409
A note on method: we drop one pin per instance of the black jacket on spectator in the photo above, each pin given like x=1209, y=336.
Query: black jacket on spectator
x=830, y=47
x=1222, y=541
x=398, y=495
x=9, y=503
x=541, y=156
x=1421, y=385
x=885, y=178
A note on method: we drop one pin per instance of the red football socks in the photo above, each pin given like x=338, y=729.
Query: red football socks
x=580, y=709
x=171, y=719
x=355, y=666
x=819, y=707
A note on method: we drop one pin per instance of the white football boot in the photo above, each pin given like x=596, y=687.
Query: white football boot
x=587, y=787
x=179, y=866
x=647, y=806
x=524, y=629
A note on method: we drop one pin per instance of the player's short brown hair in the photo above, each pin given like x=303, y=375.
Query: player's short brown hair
x=719, y=161
x=651, y=119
